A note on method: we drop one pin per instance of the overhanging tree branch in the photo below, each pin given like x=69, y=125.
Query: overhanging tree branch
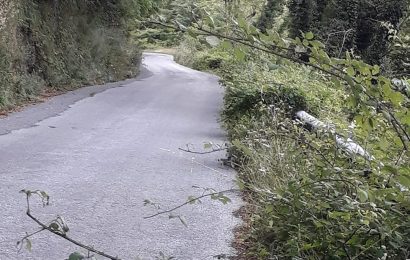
x=334, y=71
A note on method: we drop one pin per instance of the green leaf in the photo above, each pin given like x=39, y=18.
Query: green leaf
x=406, y=119
x=210, y=21
x=212, y=40
x=390, y=169
x=336, y=81
x=350, y=71
x=362, y=195
x=297, y=41
x=28, y=244
x=396, y=98
x=366, y=221
x=305, y=42
x=226, y=45
x=324, y=57
x=239, y=54
x=183, y=221
x=76, y=256
x=207, y=146
x=307, y=246
x=242, y=23
x=364, y=70
x=192, y=33
x=273, y=66
x=224, y=199
x=317, y=44
x=376, y=70
x=181, y=26
x=253, y=30
x=54, y=226
x=339, y=215
x=269, y=208
x=404, y=180
x=271, y=223
x=191, y=199
x=349, y=80
x=300, y=49
x=309, y=36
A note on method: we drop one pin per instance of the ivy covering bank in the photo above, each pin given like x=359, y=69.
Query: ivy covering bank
x=56, y=45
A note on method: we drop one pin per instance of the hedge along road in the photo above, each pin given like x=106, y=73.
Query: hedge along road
x=102, y=156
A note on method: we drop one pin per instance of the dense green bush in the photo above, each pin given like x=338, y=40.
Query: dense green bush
x=197, y=54
x=313, y=201
x=245, y=99
x=210, y=60
x=308, y=208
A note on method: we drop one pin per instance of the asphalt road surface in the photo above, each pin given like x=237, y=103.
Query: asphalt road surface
x=101, y=151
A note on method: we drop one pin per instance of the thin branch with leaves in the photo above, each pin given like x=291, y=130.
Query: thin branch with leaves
x=57, y=227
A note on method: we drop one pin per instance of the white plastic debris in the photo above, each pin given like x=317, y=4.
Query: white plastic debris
x=346, y=144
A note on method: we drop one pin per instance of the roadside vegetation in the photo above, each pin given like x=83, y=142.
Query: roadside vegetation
x=50, y=46
x=346, y=64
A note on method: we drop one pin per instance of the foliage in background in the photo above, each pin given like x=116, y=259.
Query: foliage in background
x=55, y=45
x=348, y=24
x=398, y=58
x=270, y=12
x=153, y=36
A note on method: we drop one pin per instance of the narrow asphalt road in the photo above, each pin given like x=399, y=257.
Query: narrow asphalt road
x=100, y=157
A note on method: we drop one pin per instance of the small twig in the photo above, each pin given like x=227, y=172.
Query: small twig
x=328, y=180
x=346, y=252
x=347, y=240
x=190, y=202
x=63, y=235
x=20, y=243
x=371, y=245
x=397, y=163
x=344, y=40
x=194, y=152
x=309, y=145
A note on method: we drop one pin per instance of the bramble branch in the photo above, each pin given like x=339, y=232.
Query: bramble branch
x=57, y=232
x=207, y=152
x=191, y=201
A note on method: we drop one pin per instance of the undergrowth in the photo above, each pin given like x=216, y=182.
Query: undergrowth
x=311, y=199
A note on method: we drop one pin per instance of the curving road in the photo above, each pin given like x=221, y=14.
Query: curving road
x=101, y=151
